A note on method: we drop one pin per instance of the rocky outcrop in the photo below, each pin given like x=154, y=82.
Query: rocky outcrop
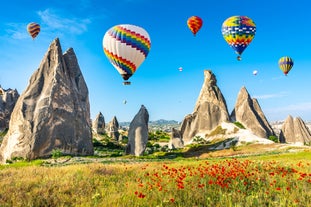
x=8, y=100
x=138, y=133
x=113, y=129
x=210, y=110
x=248, y=112
x=53, y=112
x=295, y=131
x=99, y=124
x=176, y=141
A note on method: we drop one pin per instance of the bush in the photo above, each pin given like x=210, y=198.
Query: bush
x=56, y=153
x=238, y=124
x=273, y=138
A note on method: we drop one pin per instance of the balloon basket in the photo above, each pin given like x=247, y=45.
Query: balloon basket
x=126, y=83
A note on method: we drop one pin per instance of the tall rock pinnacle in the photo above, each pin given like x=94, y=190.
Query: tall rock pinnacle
x=53, y=112
x=209, y=112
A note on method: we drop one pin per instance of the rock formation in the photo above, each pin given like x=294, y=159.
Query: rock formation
x=176, y=141
x=210, y=109
x=8, y=100
x=247, y=111
x=99, y=124
x=113, y=129
x=295, y=131
x=53, y=112
x=138, y=133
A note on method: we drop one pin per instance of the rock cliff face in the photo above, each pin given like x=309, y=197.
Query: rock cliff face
x=295, y=131
x=99, y=124
x=113, y=129
x=53, y=112
x=138, y=133
x=176, y=141
x=8, y=100
x=248, y=112
x=209, y=112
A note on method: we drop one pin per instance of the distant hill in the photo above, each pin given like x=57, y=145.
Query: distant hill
x=160, y=122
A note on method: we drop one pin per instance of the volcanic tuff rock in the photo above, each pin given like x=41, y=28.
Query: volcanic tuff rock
x=53, y=112
x=294, y=130
x=8, y=100
x=176, y=140
x=113, y=129
x=99, y=124
x=247, y=111
x=138, y=133
x=210, y=109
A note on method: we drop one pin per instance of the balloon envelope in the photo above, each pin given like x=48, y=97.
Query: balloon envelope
x=194, y=23
x=180, y=69
x=286, y=63
x=126, y=47
x=238, y=31
x=255, y=72
x=33, y=29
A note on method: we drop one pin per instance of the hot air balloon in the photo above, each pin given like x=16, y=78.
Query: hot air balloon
x=238, y=31
x=180, y=69
x=255, y=72
x=124, y=101
x=33, y=29
x=286, y=63
x=126, y=47
x=194, y=23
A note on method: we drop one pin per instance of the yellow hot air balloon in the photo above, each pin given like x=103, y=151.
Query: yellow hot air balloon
x=286, y=63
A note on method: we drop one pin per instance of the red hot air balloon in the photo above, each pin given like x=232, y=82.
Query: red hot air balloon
x=194, y=23
x=33, y=29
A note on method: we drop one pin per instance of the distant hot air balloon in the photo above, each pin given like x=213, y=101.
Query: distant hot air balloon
x=126, y=47
x=255, y=72
x=286, y=63
x=180, y=69
x=124, y=101
x=33, y=29
x=238, y=31
x=194, y=23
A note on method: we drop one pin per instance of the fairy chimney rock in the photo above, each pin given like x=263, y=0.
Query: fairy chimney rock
x=209, y=112
x=99, y=124
x=113, y=129
x=248, y=112
x=138, y=133
x=295, y=131
x=53, y=112
x=8, y=100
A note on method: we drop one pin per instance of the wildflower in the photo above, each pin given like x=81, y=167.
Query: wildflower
x=172, y=200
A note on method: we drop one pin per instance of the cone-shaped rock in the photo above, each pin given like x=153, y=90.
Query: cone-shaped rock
x=99, y=124
x=113, y=129
x=209, y=112
x=138, y=133
x=295, y=131
x=248, y=112
x=8, y=100
x=53, y=112
x=176, y=141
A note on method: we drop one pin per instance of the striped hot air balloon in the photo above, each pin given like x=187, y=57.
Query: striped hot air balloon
x=126, y=47
x=33, y=29
x=238, y=31
x=286, y=63
x=194, y=23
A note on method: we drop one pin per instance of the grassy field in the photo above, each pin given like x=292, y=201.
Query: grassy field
x=280, y=179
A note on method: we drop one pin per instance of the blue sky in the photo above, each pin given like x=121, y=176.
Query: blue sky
x=283, y=29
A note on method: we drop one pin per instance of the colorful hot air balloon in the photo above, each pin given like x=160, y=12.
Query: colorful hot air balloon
x=194, y=23
x=33, y=29
x=286, y=63
x=180, y=69
x=126, y=47
x=238, y=31
x=255, y=72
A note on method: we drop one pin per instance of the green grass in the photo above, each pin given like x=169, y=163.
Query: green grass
x=282, y=179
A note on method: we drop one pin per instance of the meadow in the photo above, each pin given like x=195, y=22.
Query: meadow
x=281, y=179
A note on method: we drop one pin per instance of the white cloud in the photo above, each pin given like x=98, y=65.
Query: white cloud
x=269, y=96
x=16, y=31
x=56, y=21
